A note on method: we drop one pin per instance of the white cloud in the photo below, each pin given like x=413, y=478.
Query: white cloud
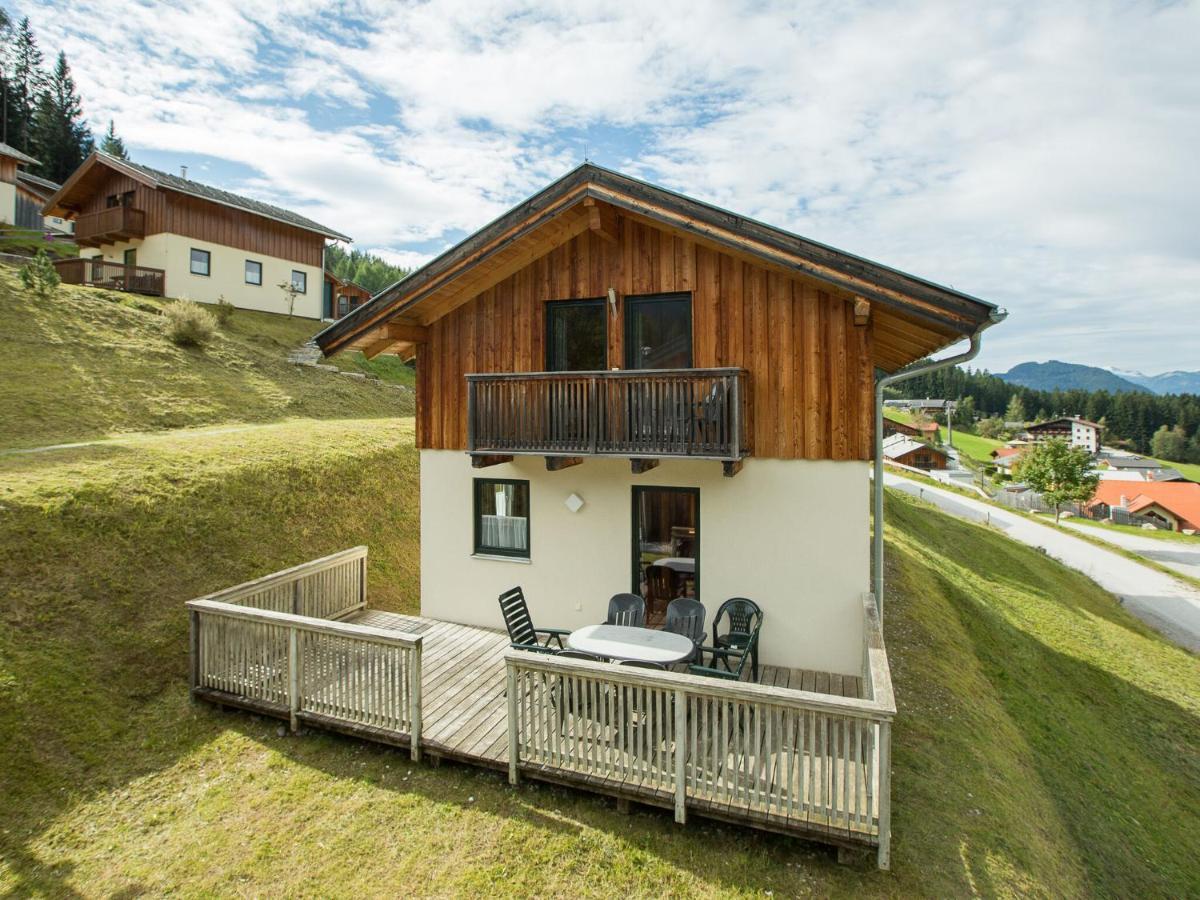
x=1040, y=156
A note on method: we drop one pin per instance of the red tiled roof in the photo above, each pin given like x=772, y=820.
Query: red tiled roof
x=1002, y=452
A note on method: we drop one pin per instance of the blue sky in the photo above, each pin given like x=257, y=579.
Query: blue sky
x=1041, y=156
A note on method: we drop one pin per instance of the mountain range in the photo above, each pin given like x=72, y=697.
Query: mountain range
x=1058, y=375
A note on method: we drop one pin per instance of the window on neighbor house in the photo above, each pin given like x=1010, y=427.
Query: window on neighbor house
x=300, y=281
x=201, y=262
x=343, y=305
x=253, y=272
x=502, y=517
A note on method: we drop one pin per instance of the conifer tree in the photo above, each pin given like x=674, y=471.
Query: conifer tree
x=61, y=139
x=24, y=83
x=112, y=144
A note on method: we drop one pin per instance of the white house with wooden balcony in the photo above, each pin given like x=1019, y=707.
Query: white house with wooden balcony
x=621, y=390
x=143, y=230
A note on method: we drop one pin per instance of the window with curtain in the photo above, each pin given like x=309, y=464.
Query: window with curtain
x=502, y=517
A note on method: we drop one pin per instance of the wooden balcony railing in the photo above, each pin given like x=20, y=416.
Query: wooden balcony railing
x=114, y=276
x=117, y=223
x=696, y=413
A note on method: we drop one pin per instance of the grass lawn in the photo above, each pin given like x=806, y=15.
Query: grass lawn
x=1045, y=742
x=972, y=445
x=92, y=363
x=1157, y=534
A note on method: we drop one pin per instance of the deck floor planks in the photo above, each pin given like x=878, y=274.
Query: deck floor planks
x=464, y=711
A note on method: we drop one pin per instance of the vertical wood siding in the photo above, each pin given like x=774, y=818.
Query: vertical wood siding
x=211, y=222
x=810, y=365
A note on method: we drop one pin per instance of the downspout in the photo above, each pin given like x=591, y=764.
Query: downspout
x=995, y=317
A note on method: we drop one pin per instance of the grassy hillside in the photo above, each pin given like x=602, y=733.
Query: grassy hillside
x=92, y=363
x=1044, y=745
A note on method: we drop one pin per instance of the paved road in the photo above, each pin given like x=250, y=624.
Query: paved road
x=1162, y=601
x=1182, y=556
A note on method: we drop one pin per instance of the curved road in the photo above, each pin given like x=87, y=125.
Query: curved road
x=1182, y=556
x=1167, y=604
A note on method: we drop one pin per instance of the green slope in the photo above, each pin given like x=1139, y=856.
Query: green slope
x=1044, y=745
x=91, y=363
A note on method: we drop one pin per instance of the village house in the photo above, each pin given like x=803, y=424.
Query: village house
x=143, y=230
x=1174, y=505
x=907, y=451
x=342, y=296
x=923, y=431
x=1075, y=431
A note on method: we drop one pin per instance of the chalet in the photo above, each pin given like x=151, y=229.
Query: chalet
x=33, y=193
x=626, y=400
x=1075, y=431
x=906, y=451
x=922, y=431
x=342, y=296
x=13, y=207
x=144, y=230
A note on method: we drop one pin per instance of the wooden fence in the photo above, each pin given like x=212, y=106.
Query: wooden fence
x=698, y=413
x=789, y=760
x=271, y=645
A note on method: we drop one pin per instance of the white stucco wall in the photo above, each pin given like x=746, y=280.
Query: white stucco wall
x=792, y=535
x=8, y=203
x=227, y=268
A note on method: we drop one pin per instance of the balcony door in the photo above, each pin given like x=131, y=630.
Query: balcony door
x=576, y=336
x=658, y=332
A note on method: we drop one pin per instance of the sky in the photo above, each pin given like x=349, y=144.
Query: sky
x=1042, y=156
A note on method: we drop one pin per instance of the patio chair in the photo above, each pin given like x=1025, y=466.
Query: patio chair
x=685, y=615
x=733, y=659
x=578, y=654
x=626, y=609
x=641, y=664
x=521, y=632
x=741, y=618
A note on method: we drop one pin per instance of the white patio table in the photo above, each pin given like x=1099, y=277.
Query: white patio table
x=633, y=644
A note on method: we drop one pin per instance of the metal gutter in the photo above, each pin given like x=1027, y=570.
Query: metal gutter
x=994, y=318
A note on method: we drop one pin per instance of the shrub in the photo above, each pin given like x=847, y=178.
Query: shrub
x=188, y=324
x=224, y=311
x=40, y=277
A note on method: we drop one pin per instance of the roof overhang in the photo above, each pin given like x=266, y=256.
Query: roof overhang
x=912, y=317
x=88, y=178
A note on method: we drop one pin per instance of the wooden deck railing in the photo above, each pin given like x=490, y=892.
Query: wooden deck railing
x=117, y=223
x=96, y=272
x=698, y=413
x=270, y=645
x=792, y=760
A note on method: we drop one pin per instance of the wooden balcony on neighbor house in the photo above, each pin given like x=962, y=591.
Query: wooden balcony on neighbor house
x=639, y=414
x=798, y=752
x=113, y=276
x=117, y=223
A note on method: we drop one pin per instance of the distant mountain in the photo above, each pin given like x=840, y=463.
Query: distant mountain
x=1056, y=375
x=1166, y=383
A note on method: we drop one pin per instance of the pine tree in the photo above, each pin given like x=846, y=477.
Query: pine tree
x=1016, y=410
x=26, y=80
x=112, y=144
x=61, y=139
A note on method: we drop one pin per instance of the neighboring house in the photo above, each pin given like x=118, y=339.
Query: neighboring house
x=928, y=405
x=925, y=431
x=1075, y=431
x=611, y=375
x=1175, y=504
x=1006, y=457
x=1130, y=462
x=32, y=194
x=14, y=208
x=142, y=229
x=342, y=297
x=917, y=454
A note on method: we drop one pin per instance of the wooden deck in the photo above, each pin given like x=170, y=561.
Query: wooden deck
x=463, y=685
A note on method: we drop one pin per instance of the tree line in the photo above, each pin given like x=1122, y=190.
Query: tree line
x=41, y=113
x=363, y=268
x=1167, y=426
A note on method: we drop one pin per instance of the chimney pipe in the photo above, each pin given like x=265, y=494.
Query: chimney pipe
x=183, y=171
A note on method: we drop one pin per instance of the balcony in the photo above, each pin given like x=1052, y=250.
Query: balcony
x=117, y=223
x=113, y=276
x=645, y=415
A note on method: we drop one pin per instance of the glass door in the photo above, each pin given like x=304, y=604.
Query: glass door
x=666, y=547
x=658, y=332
